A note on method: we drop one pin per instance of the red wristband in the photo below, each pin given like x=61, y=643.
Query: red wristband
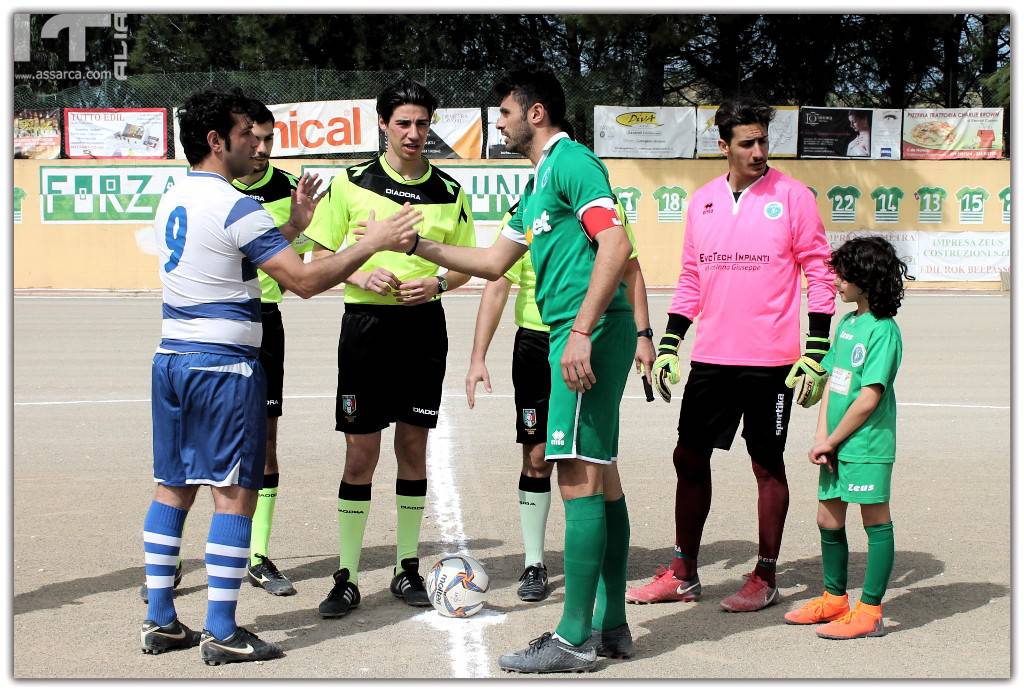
x=580, y=332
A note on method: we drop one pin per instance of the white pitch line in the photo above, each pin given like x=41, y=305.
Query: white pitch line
x=466, y=645
x=460, y=395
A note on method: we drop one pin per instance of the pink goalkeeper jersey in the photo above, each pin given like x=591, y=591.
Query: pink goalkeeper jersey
x=741, y=270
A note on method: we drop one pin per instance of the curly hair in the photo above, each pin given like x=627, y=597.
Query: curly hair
x=871, y=263
x=205, y=111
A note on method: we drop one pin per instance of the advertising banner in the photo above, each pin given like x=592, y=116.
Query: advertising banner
x=830, y=133
x=943, y=255
x=782, y=132
x=322, y=127
x=645, y=133
x=959, y=133
x=37, y=134
x=495, y=140
x=886, y=133
x=130, y=133
x=455, y=133
x=104, y=194
x=965, y=256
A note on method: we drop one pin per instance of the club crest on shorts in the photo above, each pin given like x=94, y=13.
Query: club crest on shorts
x=348, y=404
x=530, y=417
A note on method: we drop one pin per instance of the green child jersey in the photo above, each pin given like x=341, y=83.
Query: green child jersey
x=375, y=186
x=568, y=179
x=274, y=192
x=866, y=350
x=522, y=274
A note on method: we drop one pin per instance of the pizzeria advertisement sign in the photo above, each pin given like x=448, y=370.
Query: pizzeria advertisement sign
x=959, y=133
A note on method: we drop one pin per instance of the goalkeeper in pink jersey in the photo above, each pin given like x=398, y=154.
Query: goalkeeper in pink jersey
x=749, y=234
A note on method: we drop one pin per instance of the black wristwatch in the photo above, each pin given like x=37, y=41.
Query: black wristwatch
x=649, y=333
x=442, y=285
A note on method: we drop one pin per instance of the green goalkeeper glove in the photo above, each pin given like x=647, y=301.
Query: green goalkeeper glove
x=666, y=365
x=807, y=377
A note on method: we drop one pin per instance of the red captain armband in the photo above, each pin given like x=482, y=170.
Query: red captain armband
x=597, y=219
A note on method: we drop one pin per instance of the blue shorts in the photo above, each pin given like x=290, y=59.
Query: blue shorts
x=209, y=420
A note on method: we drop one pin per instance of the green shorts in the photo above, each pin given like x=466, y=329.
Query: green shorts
x=585, y=425
x=857, y=483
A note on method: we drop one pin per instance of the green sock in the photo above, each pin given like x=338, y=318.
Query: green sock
x=610, y=610
x=263, y=518
x=585, y=538
x=410, y=499
x=881, y=555
x=353, y=509
x=534, y=503
x=835, y=556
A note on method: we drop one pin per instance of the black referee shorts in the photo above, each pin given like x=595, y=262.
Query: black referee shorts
x=391, y=364
x=531, y=378
x=272, y=357
x=717, y=396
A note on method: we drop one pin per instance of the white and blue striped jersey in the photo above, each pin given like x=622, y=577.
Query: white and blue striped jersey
x=211, y=239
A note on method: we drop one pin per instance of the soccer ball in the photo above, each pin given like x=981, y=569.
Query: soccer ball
x=456, y=585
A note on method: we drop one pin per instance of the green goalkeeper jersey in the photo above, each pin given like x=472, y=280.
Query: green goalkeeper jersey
x=375, y=186
x=866, y=350
x=568, y=179
x=274, y=192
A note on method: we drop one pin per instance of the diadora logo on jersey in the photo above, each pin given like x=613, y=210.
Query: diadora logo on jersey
x=845, y=335
x=348, y=404
x=403, y=193
x=530, y=417
x=258, y=198
x=424, y=411
x=709, y=208
x=773, y=210
x=558, y=439
x=542, y=224
x=858, y=355
x=860, y=488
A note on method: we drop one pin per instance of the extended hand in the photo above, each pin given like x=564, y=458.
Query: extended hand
x=397, y=232
x=304, y=200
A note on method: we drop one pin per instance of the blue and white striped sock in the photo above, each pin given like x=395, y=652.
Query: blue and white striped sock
x=227, y=551
x=161, y=538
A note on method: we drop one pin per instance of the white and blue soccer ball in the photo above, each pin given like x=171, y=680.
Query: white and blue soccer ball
x=456, y=585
